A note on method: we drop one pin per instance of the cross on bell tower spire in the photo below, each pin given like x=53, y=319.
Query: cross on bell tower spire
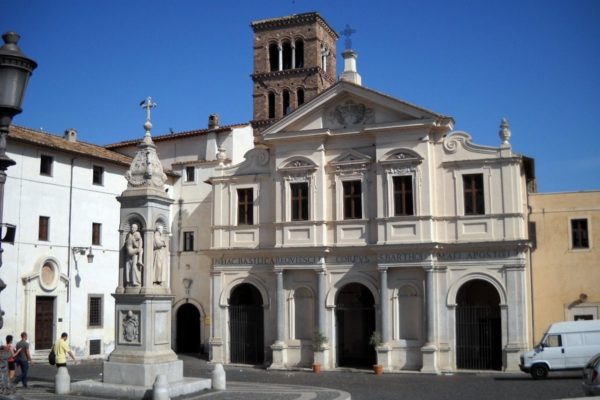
x=347, y=32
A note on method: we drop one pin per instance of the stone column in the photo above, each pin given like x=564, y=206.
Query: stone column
x=279, y=347
x=293, y=54
x=384, y=300
x=280, y=51
x=121, y=286
x=216, y=340
x=148, y=235
x=384, y=351
x=430, y=349
x=321, y=356
x=321, y=301
x=280, y=308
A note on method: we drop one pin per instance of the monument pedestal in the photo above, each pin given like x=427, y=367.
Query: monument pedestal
x=143, y=351
x=143, y=299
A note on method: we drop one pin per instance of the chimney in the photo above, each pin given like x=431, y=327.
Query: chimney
x=213, y=121
x=70, y=135
x=350, y=74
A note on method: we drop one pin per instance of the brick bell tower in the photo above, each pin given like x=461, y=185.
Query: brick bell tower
x=294, y=61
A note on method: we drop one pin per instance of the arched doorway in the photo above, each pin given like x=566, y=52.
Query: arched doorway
x=478, y=328
x=246, y=329
x=188, y=329
x=355, y=322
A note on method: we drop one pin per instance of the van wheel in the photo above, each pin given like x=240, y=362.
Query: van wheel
x=539, y=371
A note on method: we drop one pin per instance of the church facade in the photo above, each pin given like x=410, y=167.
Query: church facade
x=360, y=217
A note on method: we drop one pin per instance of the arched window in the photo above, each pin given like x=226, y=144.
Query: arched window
x=299, y=53
x=300, y=96
x=271, y=100
x=286, y=103
x=274, y=57
x=303, y=313
x=287, y=55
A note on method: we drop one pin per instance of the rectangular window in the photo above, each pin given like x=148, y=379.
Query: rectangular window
x=473, y=193
x=188, y=241
x=95, y=310
x=579, y=234
x=299, y=196
x=95, y=347
x=245, y=206
x=43, y=228
x=97, y=175
x=190, y=174
x=96, y=233
x=46, y=165
x=352, y=199
x=403, y=195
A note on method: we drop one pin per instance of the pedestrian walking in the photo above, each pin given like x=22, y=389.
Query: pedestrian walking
x=62, y=349
x=23, y=359
x=11, y=359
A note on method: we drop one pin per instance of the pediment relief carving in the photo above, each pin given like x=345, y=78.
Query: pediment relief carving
x=350, y=113
x=297, y=164
x=351, y=162
x=297, y=170
x=401, y=159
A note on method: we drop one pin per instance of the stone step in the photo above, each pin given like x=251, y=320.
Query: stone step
x=40, y=356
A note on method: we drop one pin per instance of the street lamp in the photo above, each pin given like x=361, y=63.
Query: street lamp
x=81, y=251
x=15, y=70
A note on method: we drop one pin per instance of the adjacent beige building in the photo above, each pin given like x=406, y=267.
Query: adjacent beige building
x=565, y=273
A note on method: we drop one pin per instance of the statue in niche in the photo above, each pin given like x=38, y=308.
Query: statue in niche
x=134, y=246
x=130, y=327
x=161, y=266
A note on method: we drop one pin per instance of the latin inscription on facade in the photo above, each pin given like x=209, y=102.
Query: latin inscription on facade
x=364, y=259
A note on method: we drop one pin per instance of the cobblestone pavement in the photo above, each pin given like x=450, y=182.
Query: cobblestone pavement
x=248, y=383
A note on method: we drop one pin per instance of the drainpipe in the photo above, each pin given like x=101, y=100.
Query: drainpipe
x=69, y=241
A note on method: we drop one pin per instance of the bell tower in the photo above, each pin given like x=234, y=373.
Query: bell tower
x=294, y=61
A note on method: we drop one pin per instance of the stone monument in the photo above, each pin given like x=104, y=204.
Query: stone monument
x=143, y=299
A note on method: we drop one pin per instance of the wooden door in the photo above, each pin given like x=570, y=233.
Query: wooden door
x=44, y=322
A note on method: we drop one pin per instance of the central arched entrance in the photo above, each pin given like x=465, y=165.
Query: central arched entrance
x=246, y=329
x=188, y=329
x=478, y=327
x=355, y=322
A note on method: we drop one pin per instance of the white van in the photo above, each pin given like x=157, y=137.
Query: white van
x=565, y=346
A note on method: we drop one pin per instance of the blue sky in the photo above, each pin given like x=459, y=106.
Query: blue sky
x=537, y=63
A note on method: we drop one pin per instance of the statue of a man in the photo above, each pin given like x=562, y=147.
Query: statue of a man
x=160, y=260
x=134, y=246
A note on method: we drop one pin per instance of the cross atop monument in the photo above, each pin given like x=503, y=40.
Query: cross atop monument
x=346, y=33
x=148, y=105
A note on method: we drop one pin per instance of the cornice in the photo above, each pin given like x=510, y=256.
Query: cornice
x=293, y=20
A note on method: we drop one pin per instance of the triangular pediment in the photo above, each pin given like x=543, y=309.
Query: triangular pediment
x=351, y=157
x=346, y=106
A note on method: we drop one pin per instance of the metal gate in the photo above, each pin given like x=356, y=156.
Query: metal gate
x=246, y=334
x=478, y=337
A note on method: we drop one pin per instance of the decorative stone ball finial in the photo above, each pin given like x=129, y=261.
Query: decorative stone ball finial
x=11, y=39
x=504, y=132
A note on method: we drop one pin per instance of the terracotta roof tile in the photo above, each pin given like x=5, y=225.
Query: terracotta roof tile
x=59, y=143
x=176, y=135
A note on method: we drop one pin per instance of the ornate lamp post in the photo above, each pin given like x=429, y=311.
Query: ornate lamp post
x=15, y=70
